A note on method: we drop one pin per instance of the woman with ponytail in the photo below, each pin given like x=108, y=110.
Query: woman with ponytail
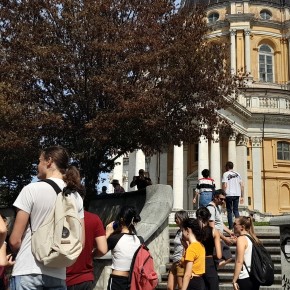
x=243, y=227
x=194, y=258
x=213, y=251
x=123, y=243
x=34, y=203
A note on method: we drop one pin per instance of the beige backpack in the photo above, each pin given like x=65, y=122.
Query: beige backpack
x=57, y=242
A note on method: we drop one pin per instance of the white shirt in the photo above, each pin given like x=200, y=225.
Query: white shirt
x=233, y=180
x=38, y=200
x=247, y=259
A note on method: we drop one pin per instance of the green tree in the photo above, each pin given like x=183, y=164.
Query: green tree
x=105, y=77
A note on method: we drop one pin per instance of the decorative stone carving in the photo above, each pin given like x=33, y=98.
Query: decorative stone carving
x=233, y=136
x=242, y=140
x=256, y=141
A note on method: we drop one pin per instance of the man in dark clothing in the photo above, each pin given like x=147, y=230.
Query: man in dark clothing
x=140, y=181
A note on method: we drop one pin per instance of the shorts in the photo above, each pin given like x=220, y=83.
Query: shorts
x=177, y=269
x=196, y=283
x=118, y=283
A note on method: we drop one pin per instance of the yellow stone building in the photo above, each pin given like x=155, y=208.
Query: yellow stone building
x=258, y=33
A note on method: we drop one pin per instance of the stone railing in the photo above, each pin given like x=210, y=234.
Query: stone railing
x=268, y=104
x=155, y=205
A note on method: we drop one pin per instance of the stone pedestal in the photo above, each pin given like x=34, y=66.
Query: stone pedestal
x=284, y=223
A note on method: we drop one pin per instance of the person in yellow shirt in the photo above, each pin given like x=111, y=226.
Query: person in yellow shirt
x=194, y=258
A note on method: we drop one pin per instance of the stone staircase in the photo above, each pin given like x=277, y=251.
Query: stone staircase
x=270, y=237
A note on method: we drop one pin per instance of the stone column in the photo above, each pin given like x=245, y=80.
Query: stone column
x=136, y=162
x=257, y=173
x=202, y=155
x=178, y=177
x=232, y=150
x=153, y=166
x=215, y=160
x=118, y=170
x=140, y=161
x=247, y=33
x=233, y=51
x=162, y=168
x=241, y=165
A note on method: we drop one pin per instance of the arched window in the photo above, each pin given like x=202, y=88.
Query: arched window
x=213, y=17
x=283, y=150
x=266, y=64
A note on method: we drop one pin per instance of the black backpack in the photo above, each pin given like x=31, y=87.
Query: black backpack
x=262, y=267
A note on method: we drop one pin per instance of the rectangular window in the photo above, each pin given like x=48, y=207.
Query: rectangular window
x=283, y=150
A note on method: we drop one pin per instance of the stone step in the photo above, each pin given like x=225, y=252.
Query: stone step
x=270, y=237
x=226, y=286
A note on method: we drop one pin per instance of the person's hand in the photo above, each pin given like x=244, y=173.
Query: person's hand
x=109, y=229
x=236, y=286
x=194, y=201
x=10, y=261
x=241, y=200
x=228, y=241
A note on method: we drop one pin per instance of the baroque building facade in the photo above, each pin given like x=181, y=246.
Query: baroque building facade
x=259, y=36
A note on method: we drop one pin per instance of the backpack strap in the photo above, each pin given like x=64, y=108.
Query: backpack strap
x=252, y=240
x=56, y=189
x=212, y=206
x=53, y=184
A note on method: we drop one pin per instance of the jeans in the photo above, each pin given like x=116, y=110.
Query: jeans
x=232, y=203
x=36, y=282
x=205, y=198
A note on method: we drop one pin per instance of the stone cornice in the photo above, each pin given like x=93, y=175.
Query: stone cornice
x=239, y=17
x=267, y=23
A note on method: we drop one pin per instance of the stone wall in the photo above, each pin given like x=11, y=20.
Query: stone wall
x=155, y=205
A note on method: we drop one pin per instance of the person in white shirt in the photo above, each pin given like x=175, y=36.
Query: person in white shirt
x=123, y=243
x=233, y=186
x=34, y=203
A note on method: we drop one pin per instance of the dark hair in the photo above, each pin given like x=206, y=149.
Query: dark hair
x=203, y=214
x=230, y=165
x=217, y=192
x=128, y=216
x=71, y=174
x=182, y=215
x=104, y=188
x=247, y=223
x=194, y=225
x=205, y=173
x=3, y=217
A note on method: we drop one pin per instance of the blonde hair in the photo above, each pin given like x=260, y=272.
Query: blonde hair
x=248, y=224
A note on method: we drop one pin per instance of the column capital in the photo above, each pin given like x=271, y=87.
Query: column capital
x=256, y=141
x=247, y=31
x=242, y=140
x=233, y=136
x=233, y=32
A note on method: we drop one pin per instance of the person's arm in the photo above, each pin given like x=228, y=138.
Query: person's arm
x=242, y=192
x=224, y=186
x=187, y=274
x=240, y=251
x=5, y=260
x=3, y=231
x=217, y=243
x=196, y=195
x=133, y=182
x=19, y=227
x=228, y=240
x=109, y=229
x=102, y=246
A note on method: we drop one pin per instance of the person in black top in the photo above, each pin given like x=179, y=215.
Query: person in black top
x=141, y=180
x=212, y=246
